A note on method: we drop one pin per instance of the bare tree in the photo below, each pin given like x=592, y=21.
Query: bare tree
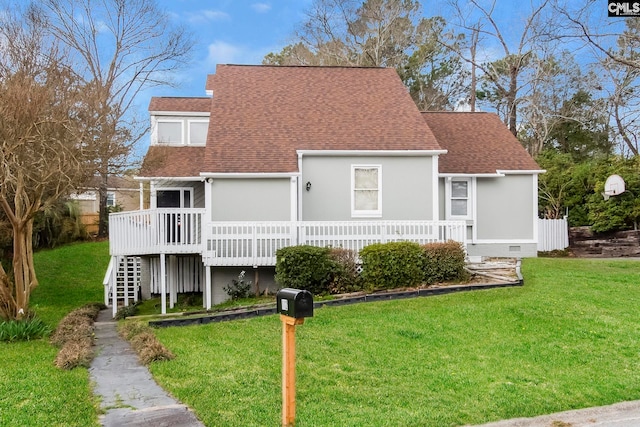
x=615, y=44
x=503, y=77
x=120, y=47
x=41, y=141
x=380, y=33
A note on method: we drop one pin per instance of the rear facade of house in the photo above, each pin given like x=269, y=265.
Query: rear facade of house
x=326, y=156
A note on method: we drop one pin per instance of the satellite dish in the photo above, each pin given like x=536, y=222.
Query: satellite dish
x=613, y=186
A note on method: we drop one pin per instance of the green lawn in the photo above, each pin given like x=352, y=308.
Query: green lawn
x=569, y=338
x=33, y=392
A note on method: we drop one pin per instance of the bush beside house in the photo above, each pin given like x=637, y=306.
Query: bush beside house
x=384, y=266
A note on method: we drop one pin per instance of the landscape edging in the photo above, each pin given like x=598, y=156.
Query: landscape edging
x=382, y=296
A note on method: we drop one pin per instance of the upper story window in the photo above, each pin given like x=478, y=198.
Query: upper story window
x=459, y=200
x=198, y=132
x=169, y=132
x=366, y=191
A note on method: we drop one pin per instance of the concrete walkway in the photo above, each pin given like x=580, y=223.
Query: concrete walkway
x=128, y=394
x=625, y=414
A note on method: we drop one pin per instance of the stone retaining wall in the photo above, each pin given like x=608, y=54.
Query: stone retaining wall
x=583, y=242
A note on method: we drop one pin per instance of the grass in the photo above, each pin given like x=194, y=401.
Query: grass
x=570, y=338
x=193, y=303
x=33, y=392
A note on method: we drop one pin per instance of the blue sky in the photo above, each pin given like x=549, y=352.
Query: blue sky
x=230, y=32
x=244, y=31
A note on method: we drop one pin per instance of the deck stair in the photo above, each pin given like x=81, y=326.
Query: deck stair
x=123, y=278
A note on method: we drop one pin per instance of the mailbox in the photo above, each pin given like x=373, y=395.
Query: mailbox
x=294, y=303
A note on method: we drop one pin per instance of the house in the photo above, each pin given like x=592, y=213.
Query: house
x=122, y=191
x=339, y=156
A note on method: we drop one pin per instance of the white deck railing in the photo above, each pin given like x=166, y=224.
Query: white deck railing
x=255, y=243
x=154, y=231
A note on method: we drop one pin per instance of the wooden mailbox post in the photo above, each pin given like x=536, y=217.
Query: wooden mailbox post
x=293, y=305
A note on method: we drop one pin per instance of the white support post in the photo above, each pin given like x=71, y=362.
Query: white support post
x=125, y=262
x=173, y=282
x=114, y=291
x=141, y=195
x=163, y=283
x=207, y=285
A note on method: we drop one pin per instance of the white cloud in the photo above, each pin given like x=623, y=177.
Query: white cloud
x=220, y=52
x=261, y=7
x=223, y=53
x=207, y=16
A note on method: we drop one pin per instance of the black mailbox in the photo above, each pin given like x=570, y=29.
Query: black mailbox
x=295, y=303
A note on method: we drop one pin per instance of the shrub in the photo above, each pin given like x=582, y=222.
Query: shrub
x=130, y=329
x=305, y=267
x=346, y=277
x=149, y=349
x=239, y=288
x=23, y=330
x=392, y=265
x=444, y=262
x=76, y=325
x=126, y=311
x=74, y=335
x=144, y=342
x=75, y=353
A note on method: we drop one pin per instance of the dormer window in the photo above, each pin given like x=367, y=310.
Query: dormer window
x=179, y=130
x=198, y=132
x=169, y=131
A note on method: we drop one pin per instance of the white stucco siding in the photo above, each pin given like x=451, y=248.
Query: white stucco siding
x=505, y=208
x=251, y=199
x=407, y=191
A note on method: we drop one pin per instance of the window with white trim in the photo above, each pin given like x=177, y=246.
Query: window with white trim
x=111, y=199
x=366, y=190
x=459, y=198
x=169, y=132
x=198, y=132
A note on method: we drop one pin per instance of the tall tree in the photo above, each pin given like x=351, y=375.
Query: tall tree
x=41, y=140
x=558, y=110
x=120, y=47
x=616, y=46
x=504, y=77
x=380, y=33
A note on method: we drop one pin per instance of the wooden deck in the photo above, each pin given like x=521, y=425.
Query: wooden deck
x=185, y=231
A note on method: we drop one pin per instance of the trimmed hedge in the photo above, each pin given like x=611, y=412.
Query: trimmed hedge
x=392, y=265
x=444, y=262
x=384, y=266
x=305, y=267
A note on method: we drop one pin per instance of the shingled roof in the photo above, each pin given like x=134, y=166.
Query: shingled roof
x=163, y=161
x=477, y=143
x=179, y=104
x=263, y=114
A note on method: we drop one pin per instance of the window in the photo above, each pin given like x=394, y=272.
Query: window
x=169, y=132
x=366, y=195
x=198, y=132
x=460, y=198
x=174, y=198
x=111, y=199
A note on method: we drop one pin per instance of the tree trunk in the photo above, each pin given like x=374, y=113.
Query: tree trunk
x=103, y=214
x=24, y=274
x=511, y=101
